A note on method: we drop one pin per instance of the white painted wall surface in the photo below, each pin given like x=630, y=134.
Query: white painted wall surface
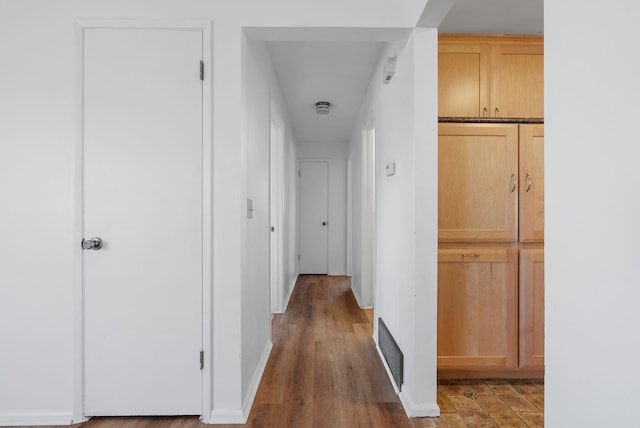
x=425, y=116
x=38, y=310
x=394, y=299
x=406, y=282
x=256, y=294
x=592, y=204
x=336, y=154
x=261, y=91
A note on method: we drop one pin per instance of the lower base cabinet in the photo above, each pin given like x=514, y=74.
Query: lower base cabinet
x=491, y=310
x=477, y=308
x=531, y=308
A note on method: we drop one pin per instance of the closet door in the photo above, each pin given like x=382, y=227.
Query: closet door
x=142, y=182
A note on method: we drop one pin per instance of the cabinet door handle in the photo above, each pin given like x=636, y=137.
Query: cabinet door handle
x=485, y=112
x=528, y=183
x=497, y=112
x=514, y=183
x=470, y=255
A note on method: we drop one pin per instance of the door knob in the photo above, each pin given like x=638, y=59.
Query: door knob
x=92, y=244
x=324, y=223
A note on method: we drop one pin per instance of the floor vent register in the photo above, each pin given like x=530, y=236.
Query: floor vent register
x=392, y=353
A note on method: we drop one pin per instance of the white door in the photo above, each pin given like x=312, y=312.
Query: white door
x=142, y=126
x=314, y=224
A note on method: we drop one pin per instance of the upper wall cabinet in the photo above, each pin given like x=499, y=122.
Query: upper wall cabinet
x=491, y=76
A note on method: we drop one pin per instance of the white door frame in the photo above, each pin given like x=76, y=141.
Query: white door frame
x=276, y=208
x=369, y=221
x=207, y=208
x=349, y=217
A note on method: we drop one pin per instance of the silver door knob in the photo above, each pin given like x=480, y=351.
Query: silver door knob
x=92, y=244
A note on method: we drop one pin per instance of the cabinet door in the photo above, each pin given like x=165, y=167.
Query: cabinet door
x=532, y=308
x=518, y=81
x=477, y=308
x=477, y=182
x=531, y=183
x=462, y=80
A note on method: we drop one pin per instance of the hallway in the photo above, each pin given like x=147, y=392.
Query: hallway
x=323, y=370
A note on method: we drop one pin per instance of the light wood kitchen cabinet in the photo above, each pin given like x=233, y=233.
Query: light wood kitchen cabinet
x=531, y=210
x=462, y=80
x=518, y=80
x=531, y=297
x=477, y=182
x=477, y=308
x=490, y=76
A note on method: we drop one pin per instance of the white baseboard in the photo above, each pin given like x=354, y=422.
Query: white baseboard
x=412, y=410
x=22, y=419
x=227, y=417
x=355, y=294
x=337, y=274
x=255, y=381
x=240, y=416
x=291, y=287
x=358, y=301
x=431, y=410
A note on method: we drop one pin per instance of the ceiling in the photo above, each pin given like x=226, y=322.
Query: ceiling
x=340, y=71
x=494, y=17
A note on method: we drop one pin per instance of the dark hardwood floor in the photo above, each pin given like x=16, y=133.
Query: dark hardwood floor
x=324, y=371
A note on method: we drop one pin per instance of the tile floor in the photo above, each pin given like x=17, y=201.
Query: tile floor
x=488, y=403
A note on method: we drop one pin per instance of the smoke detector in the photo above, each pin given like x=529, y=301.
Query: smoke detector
x=323, y=107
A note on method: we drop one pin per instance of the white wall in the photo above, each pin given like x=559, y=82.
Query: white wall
x=261, y=92
x=336, y=154
x=263, y=98
x=39, y=293
x=591, y=207
x=406, y=205
x=362, y=221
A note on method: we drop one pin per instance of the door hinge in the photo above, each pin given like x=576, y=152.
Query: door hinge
x=201, y=360
x=298, y=173
x=201, y=70
x=298, y=256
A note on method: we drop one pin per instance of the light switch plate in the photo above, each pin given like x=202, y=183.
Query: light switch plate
x=249, y=208
x=391, y=168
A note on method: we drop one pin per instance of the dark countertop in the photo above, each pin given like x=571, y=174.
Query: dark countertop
x=491, y=120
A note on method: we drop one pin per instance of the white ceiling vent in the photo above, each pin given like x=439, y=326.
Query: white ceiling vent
x=323, y=107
